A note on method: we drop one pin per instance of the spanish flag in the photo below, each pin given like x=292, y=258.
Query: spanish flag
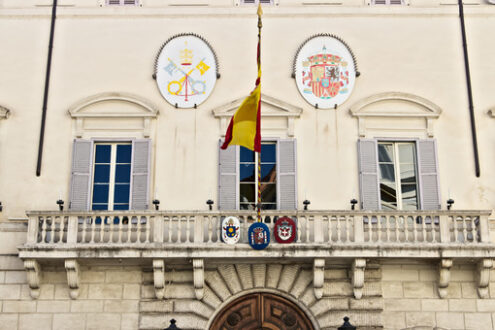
x=244, y=127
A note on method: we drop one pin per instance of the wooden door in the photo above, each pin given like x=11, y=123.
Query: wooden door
x=261, y=311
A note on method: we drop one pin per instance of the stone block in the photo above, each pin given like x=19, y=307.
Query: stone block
x=47, y=306
x=10, y=291
x=148, y=277
x=69, y=321
x=393, y=274
x=25, y=292
x=105, y=291
x=55, y=277
x=403, y=305
x=304, y=278
x=35, y=321
x=86, y=306
x=337, y=289
x=129, y=321
x=132, y=291
x=428, y=275
x=478, y=321
x=394, y=320
x=469, y=290
x=453, y=290
x=88, y=276
x=8, y=321
x=156, y=306
x=182, y=276
x=259, y=274
x=210, y=298
x=372, y=289
x=485, y=305
x=123, y=276
x=366, y=304
x=148, y=292
x=16, y=306
x=415, y=319
x=185, y=321
x=329, y=304
x=336, y=274
x=99, y=321
x=61, y=292
x=229, y=275
x=462, y=305
x=194, y=307
x=288, y=276
x=179, y=291
x=217, y=284
x=459, y=275
x=392, y=290
x=2, y=277
x=121, y=306
x=419, y=290
x=47, y=292
x=308, y=297
x=361, y=320
x=450, y=320
x=435, y=305
x=15, y=277
x=245, y=275
x=373, y=274
x=273, y=275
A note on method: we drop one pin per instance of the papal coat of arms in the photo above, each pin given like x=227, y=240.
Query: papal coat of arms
x=285, y=230
x=231, y=231
x=325, y=71
x=259, y=236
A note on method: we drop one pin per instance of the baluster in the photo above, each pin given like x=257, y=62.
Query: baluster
x=43, y=229
x=310, y=218
x=464, y=229
x=148, y=229
x=299, y=228
x=84, y=229
x=129, y=229
x=347, y=224
x=387, y=228
x=338, y=228
x=378, y=228
x=188, y=229
x=102, y=228
x=423, y=228
x=92, y=226
x=169, y=226
x=62, y=229
x=120, y=229
x=396, y=227
x=112, y=228
x=138, y=229
x=318, y=229
x=415, y=228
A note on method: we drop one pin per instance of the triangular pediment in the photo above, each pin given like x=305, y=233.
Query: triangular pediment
x=4, y=112
x=270, y=107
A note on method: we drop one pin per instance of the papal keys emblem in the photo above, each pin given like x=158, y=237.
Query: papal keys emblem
x=231, y=230
x=259, y=236
x=285, y=230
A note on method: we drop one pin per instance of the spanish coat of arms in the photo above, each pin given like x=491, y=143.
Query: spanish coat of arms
x=231, y=231
x=259, y=236
x=285, y=230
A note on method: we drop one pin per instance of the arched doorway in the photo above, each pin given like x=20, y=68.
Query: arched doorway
x=261, y=311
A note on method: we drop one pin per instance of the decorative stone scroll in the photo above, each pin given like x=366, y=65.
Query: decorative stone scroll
x=444, y=277
x=199, y=278
x=484, y=267
x=159, y=278
x=358, y=266
x=318, y=277
x=33, y=271
x=72, y=268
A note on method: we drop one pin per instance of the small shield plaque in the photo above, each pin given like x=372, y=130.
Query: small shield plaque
x=259, y=236
x=231, y=230
x=285, y=230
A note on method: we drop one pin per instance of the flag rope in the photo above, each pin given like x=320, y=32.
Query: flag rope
x=258, y=60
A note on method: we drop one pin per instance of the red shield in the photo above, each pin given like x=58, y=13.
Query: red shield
x=285, y=230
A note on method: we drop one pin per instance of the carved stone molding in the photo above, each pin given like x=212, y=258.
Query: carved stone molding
x=199, y=278
x=444, y=277
x=72, y=268
x=4, y=113
x=484, y=267
x=358, y=267
x=33, y=272
x=318, y=277
x=159, y=278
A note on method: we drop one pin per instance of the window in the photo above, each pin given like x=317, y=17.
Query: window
x=248, y=181
x=238, y=175
x=110, y=175
x=398, y=175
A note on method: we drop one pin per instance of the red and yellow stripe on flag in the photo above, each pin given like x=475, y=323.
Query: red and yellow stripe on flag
x=244, y=127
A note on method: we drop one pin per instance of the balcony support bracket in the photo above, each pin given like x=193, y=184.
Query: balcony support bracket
x=159, y=278
x=444, y=277
x=358, y=267
x=199, y=278
x=484, y=267
x=318, y=277
x=73, y=272
x=33, y=272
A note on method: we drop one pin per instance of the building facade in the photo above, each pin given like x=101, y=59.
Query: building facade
x=111, y=215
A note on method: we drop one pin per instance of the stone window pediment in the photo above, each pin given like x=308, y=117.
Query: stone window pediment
x=277, y=116
x=113, y=113
x=395, y=114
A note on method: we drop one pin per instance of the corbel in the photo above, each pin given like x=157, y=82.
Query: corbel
x=444, y=277
x=484, y=267
x=318, y=277
x=159, y=278
x=33, y=272
x=199, y=278
x=358, y=267
x=72, y=268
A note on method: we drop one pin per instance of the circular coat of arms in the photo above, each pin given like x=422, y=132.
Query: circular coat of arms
x=285, y=230
x=325, y=71
x=231, y=230
x=259, y=236
x=186, y=70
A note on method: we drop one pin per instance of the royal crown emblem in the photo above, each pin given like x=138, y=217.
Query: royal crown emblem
x=231, y=232
x=285, y=230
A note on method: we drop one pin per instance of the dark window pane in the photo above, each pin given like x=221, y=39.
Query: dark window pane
x=407, y=173
x=247, y=206
x=99, y=207
x=387, y=173
x=406, y=153
x=385, y=153
x=121, y=207
x=102, y=153
x=268, y=173
x=123, y=173
x=268, y=206
x=124, y=152
x=121, y=194
x=247, y=172
x=102, y=174
x=268, y=153
x=247, y=156
x=247, y=193
x=100, y=193
x=409, y=194
x=388, y=194
x=268, y=193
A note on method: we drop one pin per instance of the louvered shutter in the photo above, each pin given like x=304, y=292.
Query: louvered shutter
x=141, y=151
x=368, y=174
x=82, y=164
x=287, y=184
x=228, y=178
x=428, y=174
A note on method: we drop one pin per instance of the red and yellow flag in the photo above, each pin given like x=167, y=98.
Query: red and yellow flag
x=244, y=127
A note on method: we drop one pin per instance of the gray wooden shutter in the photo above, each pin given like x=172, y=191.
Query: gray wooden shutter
x=141, y=151
x=82, y=167
x=287, y=179
x=428, y=174
x=228, y=178
x=368, y=174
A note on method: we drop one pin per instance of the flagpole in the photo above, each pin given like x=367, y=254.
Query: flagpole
x=260, y=25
